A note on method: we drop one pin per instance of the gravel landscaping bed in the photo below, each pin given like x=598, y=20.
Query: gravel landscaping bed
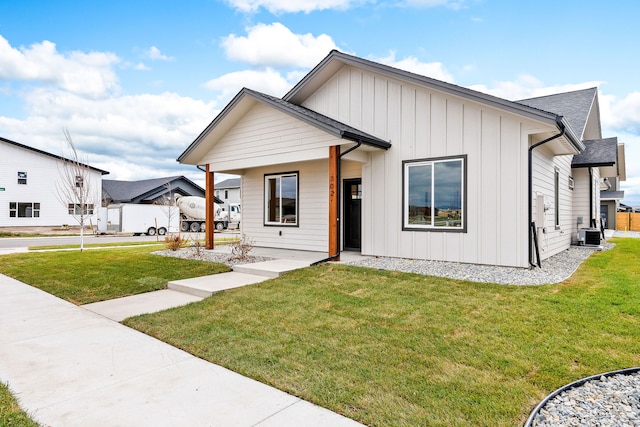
x=213, y=256
x=554, y=269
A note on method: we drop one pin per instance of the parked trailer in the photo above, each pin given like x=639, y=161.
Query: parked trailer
x=193, y=214
x=138, y=219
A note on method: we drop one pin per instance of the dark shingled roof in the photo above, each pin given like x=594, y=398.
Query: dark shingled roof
x=597, y=152
x=328, y=124
x=228, y=183
x=144, y=191
x=574, y=106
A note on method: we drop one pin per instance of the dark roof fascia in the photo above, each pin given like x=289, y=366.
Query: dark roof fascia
x=327, y=124
x=17, y=144
x=608, y=194
x=494, y=101
x=571, y=136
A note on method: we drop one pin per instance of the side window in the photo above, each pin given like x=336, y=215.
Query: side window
x=281, y=199
x=434, y=194
x=24, y=210
x=22, y=178
x=556, y=197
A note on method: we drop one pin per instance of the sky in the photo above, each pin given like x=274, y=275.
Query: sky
x=136, y=81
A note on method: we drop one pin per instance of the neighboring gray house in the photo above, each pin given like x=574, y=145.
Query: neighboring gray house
x=602, y=162
x=148, y=191
x=366, y=157
x=229, y=190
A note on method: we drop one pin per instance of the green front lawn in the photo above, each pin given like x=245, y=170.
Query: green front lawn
x=101, y=274
x=388, y=348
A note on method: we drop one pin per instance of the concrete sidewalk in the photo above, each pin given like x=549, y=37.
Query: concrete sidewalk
x=69, y=366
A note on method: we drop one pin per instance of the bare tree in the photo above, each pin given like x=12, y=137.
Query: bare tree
x=74, y=189
x=168, y=206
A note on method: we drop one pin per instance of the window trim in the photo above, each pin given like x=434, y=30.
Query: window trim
x=15, y=209
x=430, y=228
x=265, y=207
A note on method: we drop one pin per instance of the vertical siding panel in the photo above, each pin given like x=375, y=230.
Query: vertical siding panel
x=355, y=113
x=367, y=103
x=393, y=168
x=438, y=125
x=379, y=205
x=368, y=231
x=343, y=95
x=489, y=187
x=380, y=106
x=510, y=188
x=472, y=147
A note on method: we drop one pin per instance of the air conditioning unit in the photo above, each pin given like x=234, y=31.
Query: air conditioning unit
x=589, y=236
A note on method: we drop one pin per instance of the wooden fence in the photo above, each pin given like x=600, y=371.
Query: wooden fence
x=628, y=221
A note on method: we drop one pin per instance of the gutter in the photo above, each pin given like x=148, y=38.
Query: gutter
x=339, y=192
x=561, y=126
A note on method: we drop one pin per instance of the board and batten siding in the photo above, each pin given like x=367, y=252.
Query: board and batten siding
x=424, y=123
x=265, y=136
x=43, y=174
x=311, y=234
x=552, y=239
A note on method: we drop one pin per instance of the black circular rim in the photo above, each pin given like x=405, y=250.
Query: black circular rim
x=578, y=383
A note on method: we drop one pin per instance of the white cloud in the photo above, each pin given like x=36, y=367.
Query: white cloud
x=276, y=45
x=434, y=70
x=289, y=6
x=155, y=54
x=133, y=137
x=268, y=81
x=141, y=67
x=89, y=74
x=526, y=86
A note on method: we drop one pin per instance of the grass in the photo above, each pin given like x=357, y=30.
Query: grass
x=101, y=274
x=389, y=348
x=10, y=412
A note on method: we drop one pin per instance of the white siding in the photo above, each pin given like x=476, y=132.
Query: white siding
x=312, y=232
x=43, y=173
x=265, y=136
x=552, y=239
x=422, y=123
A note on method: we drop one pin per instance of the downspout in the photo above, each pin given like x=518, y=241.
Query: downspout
x=200, y=167
x=592, y=220
x=562, y=130
x=339, y=192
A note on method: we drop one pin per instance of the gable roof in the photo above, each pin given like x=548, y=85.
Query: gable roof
x=228, y=183
x=35, y=150
x=336, y=60
x=322, y=122
x=597, y=153
x=146, y=190
x=575, y=106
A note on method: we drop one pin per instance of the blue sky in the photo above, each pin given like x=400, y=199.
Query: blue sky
x=136, y=81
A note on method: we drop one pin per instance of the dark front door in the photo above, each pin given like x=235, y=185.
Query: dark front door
x=352, y=204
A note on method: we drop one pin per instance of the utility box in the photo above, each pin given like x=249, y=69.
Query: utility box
x=589, y=236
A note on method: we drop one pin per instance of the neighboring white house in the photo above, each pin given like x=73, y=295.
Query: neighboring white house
x=28, y=195
x=228, y=190
x=363, y=156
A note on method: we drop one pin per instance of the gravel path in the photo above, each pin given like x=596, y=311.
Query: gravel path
x=554, y=269
x=206, y=255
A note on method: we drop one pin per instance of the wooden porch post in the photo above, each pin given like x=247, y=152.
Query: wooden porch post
x=210, y=209
x=334, y=226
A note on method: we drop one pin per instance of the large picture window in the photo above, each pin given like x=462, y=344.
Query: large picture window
x=434, y=194
x=76, y=209
x=281, y=199
x=24, y=210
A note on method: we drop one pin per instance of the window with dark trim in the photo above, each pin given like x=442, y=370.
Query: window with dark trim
x=434, y=194
x=24, y=210
x=556, y=197
x=22, y=178
x=281, y=199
